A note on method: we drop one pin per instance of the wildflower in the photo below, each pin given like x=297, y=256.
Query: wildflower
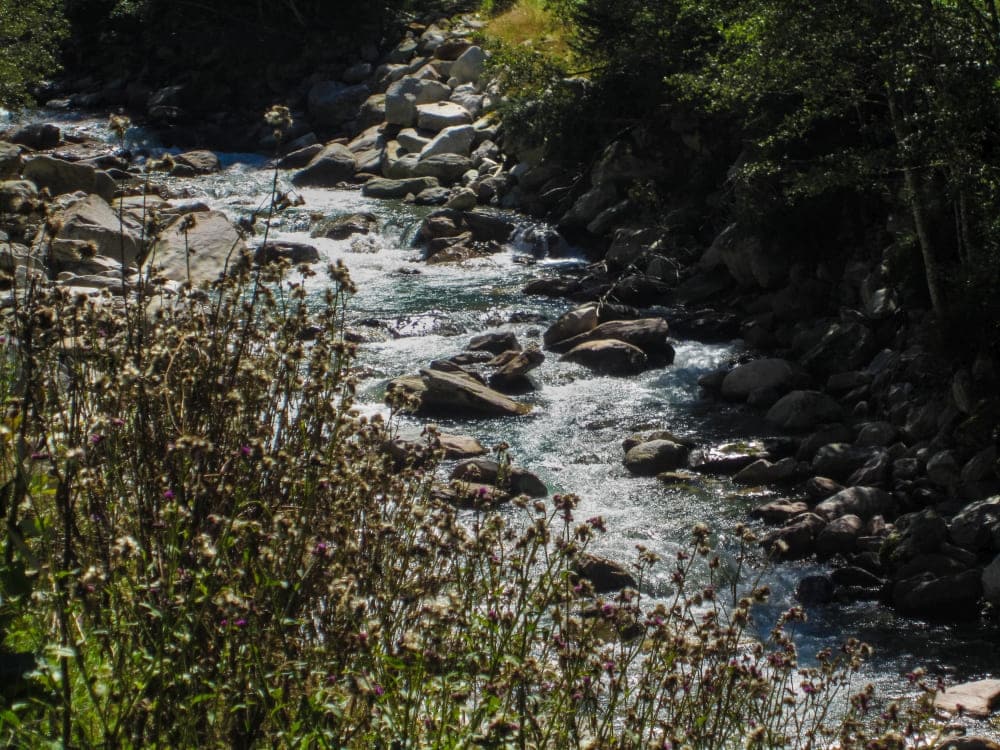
x=240, y=623
x=168, y=494
x=597, y=523
x=378, y=689
x=246, y=450
x=95, y=439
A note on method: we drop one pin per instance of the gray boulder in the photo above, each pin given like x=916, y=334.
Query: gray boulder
x=864, y=502
x=412, y=141
x=977, y=526
x=293, y=252
x=927, y=595
x=37, y=135
x=10, y=161
x=404, y=96
x=59, y=177
x=840, y=536
x=198, y=246
x=440, y=115
x=384, y=188
x=17, y=195
x=201, y=161
x=446, y=168
x=469, y=65
x=648, y=334
x=333, y=165
x=454, y=140
x=655, y=456
x=92, y=223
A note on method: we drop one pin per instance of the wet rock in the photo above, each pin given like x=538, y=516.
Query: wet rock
x=856, y=577
x=572, y=323
x=780, y=511
x=681, y=476
x=644, y=437
x=604, y=575
x=201, y=162
x=860, y=501
x=343, y=227
x=976, y=699
x=60, y=177
x=726, y=459
x=825, y=435
x=293, y=252
x=462, y=199
x=878, y=434
x=656, y=456
x=437, y=196
x=802, y=410
x=763, y=471
x=331, y=166
x=927, y=595
x=934, y=563
x=515, y=370
x=608, y=356
x=917, y=533
x=496, y=342
x=840, y=536
x=384, y=188
x=814, y=590
x=777, y=374
x=795, y=540
x=198, y=248
x=514, y=479
x=451, y=394
x=648, y=334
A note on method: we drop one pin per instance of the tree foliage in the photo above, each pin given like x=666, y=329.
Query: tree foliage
x=30, y=31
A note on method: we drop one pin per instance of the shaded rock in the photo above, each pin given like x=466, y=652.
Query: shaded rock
x=916, y=533
x=385, y=188
x=820, y=488
x=604, y=575
x=981, y=467
x=462, y=199
x=342, y=227
x=859, y=501
x=991, y=581
x=813, y=590
x=778, y=374
x=857, y=577
x=59, y=177
x=943, y=469
x=927, y=595
x=655, y=456
x=846, y=345
x=977, y=526
x=201, y=161
x=875, y=471
x=10, y=161
x=840, y=460
x=608, y=356
x=332, y=103
x=496, y=342
x=447, y=168
x=515, y=479
x=726, y=459
x=37, y=136
x=469, y=495
x=966, y=743
x=334, y=164
x=763, y=471
x=794, y=540
x=294, y=252
x=451, y=394
x=644, y=437
x=648, y=334
x=840, y=536
x=802, y=410
x=300, y=157
x=17, y=196
x=200, y=245
x=878, y=434
x=780, y=511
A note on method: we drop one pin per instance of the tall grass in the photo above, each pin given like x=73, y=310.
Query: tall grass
x=205, y=545
x=532, y=23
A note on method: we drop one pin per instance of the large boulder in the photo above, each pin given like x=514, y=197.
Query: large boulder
x=469, y=65
x=10, y=161
x=976, y=699
x=446, y=168
x=343, y=227
x=284, y=250
x=90, y=227
x=803, y=410
x=59, y=176
x=332, y=103
x=796, y=539
x=17, y=196
x=950, y=596
x=572, y=323
x=608, y=356
x=841, y=460
x=747, y=260
x=37, y=135
x=516, y=368
x=589, y=205
x=440, y=115
x=863, y=502
x=382, y=187
x=515, y=479
x=200, y=162
x=977, y=526
x=334, y=164
x=774, y=374
x=763, y=471
x=604, y=575
x=404, y=96
x=655, y=456
x=454, y=140
x=649, y=334
x=453, y=394
x=840, y=536
x=198, y=247
x=845, y=345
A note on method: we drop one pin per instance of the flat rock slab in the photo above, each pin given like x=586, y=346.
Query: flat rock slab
x=975, y=699
x=455, y=395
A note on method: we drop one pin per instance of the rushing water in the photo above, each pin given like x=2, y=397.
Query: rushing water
x=573, y=437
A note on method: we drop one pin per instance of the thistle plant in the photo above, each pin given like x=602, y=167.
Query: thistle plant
x=206, y=545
